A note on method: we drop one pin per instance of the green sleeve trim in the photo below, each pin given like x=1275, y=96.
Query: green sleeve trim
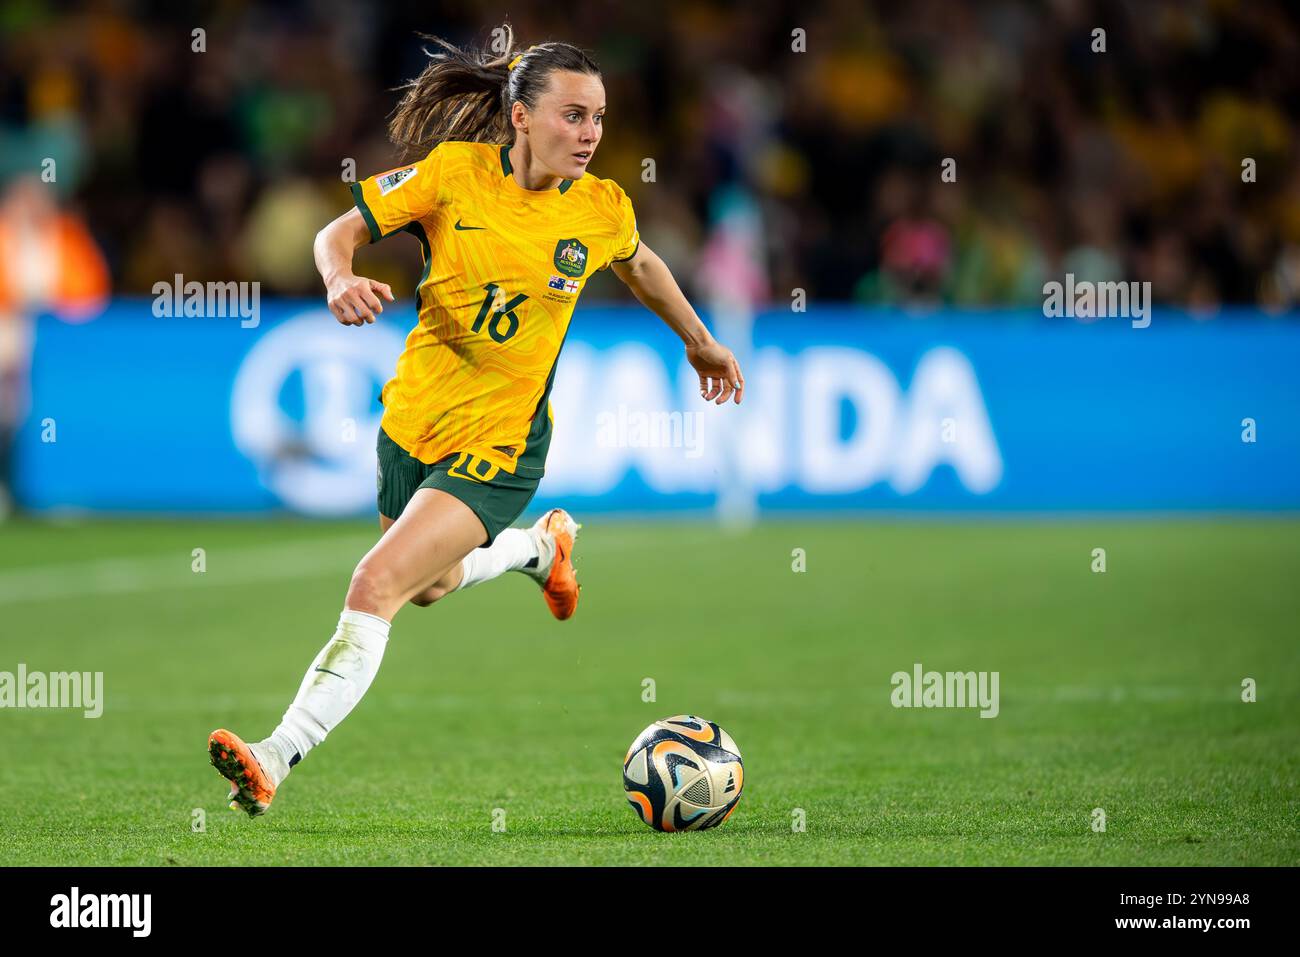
x=416, y=229
x=631, y=254
x=359, y=198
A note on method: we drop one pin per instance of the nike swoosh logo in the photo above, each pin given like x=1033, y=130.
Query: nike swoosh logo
x=459, y=226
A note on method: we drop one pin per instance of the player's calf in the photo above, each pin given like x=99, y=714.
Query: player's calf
x=444, y=586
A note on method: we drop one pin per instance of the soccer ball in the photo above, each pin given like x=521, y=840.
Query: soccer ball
x=683, y=773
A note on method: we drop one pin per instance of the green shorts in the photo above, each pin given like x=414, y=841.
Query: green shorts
x=497, y=501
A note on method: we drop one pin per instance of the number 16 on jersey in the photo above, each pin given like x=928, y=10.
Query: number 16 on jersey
x=501, y=310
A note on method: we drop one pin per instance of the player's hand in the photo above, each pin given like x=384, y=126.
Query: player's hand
x=354, y=300
x=720, y=376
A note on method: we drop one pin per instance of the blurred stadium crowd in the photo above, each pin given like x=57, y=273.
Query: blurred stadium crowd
x=1123, y=164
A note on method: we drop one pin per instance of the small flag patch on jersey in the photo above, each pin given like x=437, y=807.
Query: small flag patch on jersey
x=390, y=181
x=564, y=285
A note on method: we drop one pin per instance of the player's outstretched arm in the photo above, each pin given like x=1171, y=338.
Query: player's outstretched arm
x=651, y=282
x=354, y=300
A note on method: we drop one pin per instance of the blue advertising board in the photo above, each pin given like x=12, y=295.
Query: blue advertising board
x=845, y=408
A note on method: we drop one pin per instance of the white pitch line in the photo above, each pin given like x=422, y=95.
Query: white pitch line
x=238, y=566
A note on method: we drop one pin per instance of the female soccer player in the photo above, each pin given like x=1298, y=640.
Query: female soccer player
x=511, y=226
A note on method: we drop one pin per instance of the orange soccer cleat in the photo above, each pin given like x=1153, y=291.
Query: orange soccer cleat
x=251, y=788
x=555, y=533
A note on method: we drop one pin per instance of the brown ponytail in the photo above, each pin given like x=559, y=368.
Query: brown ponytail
x=467, y=94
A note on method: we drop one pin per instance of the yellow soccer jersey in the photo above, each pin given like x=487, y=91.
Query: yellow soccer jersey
x=503, y=268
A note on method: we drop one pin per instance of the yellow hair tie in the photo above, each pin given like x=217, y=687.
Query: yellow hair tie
x=515, y=62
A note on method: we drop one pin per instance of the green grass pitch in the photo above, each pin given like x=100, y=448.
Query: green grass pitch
x=1119, y=691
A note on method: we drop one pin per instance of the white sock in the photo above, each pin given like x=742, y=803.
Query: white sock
x=332, y=686
x=513, y=549
x=270, y=755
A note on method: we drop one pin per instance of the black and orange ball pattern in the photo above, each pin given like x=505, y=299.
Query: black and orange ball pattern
x=683, y=773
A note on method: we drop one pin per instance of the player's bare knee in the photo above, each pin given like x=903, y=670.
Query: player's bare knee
x=372, y=588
